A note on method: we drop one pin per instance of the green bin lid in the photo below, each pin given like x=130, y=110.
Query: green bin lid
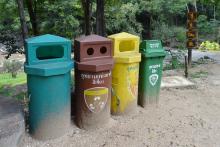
x=48, y=69
x=152, y=48
x=46, y=39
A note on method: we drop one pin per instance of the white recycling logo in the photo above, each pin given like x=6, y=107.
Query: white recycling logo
x=153, y=79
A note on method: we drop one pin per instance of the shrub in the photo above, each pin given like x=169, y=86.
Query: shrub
x=203, y=25
x=12, y=67
x=123, y=19
x=210, y=46
x=180, y=34
x=162, y=32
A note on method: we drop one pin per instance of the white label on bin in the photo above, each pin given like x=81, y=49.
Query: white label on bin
x=153, y=79
x=154, y=45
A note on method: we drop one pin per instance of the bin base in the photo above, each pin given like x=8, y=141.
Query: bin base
x=54, y=126
x=130, y=109
x=144, y=101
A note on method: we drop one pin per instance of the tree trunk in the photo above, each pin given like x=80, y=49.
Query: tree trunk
x=87, y=7
x=33, y=18
x=214, y=13
x=100, y=18
x=22, y=19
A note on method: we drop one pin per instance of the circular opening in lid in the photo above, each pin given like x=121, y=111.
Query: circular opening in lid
x=90, y=51
x=103, y=50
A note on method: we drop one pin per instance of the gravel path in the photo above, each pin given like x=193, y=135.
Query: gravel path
x=183, y=118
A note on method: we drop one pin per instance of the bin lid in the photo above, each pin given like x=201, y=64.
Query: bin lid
x=46, y=39
x=91, y=47
x=152, y=48
x=124, y=43
x=48, y=69
x=47, y=49
x=95, y=65
x=128, y=58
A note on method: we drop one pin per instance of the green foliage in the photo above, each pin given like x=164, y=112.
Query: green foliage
x=12, y=42
x=209, y=28
x=209, y=46
x=12, y=67
x=6, y=79
x=9, y=19
x=65, y=18
x=9, y=86
x=179, y=39
x=162, y=31
x=204, y=26
x=60, y=18
x=123, y=18
x=10, y=27
x=180, y=34
x=175, y=61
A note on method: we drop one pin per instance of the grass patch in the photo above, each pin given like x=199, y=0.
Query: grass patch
x=6, y=79
x=8, y=85
x=199, y=74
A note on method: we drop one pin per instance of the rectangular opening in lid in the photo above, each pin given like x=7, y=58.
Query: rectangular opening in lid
x=126, y=45
x=49, y=52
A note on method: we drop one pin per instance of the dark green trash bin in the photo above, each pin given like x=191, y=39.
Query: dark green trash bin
x=48, y=65
x=150, y=73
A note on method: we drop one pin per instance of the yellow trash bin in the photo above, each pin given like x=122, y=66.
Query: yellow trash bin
x=125, y=72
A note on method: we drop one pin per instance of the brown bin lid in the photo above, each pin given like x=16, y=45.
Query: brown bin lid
x=92, y=47
x=95, y=65
x=92, y=39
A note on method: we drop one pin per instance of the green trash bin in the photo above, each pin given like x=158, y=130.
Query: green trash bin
x=48, y=65
x=150, y=73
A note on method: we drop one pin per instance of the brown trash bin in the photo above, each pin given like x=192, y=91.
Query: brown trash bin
x=93, y=65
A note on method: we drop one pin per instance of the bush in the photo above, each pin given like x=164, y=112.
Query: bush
x=209, y=29
x=12, y=67
x=162, y=31
x=210, y=46
x=179, y=40
x=203, y=25
x=123, y=19
x=180, y=34
x=170, y=36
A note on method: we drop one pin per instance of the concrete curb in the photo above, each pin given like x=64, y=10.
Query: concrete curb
x=176, y=82
x=12, y=124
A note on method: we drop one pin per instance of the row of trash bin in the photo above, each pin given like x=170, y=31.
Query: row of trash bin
x=111, y=77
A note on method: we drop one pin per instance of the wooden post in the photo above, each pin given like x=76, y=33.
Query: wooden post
x=186, y=67
x=189, y=57
x=192, y=33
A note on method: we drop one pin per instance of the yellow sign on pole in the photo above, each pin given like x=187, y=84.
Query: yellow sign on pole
x=191, y=34
x=191, y=44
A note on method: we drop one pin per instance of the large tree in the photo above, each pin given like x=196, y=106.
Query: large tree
x=32, y=10
x=22, y=19
x=100, y=17
x=87, y=7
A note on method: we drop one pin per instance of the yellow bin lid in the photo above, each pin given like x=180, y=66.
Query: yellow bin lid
x=124, y=43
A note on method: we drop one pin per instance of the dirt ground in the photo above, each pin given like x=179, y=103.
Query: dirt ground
x=188, y=117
